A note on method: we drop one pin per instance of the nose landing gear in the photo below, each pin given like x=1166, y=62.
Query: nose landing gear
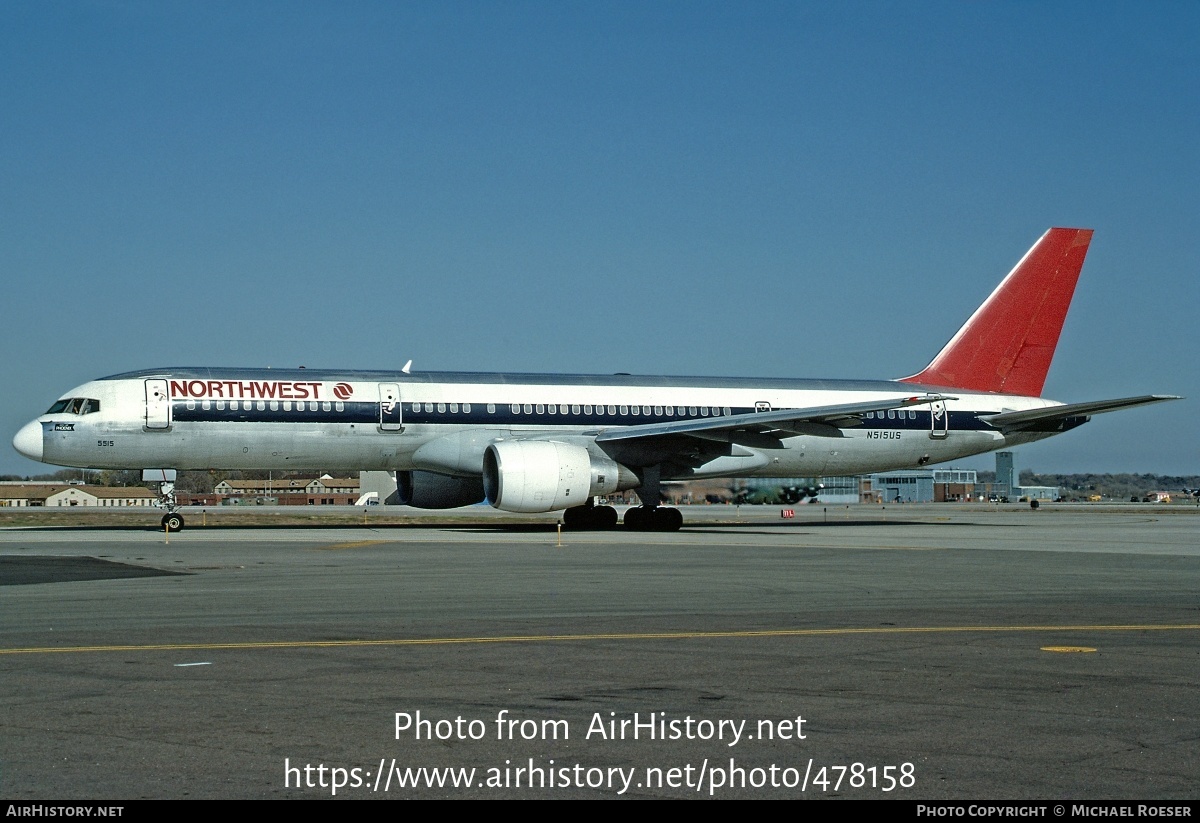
x=172, y=521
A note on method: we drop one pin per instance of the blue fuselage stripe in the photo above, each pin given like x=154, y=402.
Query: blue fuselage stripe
x=328, y=412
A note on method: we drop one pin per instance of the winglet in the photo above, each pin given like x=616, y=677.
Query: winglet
x=1007, y=345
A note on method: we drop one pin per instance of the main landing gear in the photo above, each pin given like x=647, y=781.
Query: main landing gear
x=590, y=518
x=653, y=519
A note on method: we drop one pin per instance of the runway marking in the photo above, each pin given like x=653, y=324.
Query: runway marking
x=358, y=544
x=1068, y=649
x=554, y=638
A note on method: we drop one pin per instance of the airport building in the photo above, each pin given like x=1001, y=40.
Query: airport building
x=55, y=495
x=319, y=491
x=921, y=486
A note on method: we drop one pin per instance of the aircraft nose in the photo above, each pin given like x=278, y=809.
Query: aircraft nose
x=28, y=441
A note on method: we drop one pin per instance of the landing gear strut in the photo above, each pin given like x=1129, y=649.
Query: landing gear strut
x=651, y=517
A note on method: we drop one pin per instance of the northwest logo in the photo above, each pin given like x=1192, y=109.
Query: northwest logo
x=342, y=391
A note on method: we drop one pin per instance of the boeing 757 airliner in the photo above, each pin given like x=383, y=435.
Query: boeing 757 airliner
x=541, y=443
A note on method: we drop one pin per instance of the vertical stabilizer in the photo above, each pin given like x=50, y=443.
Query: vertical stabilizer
x=1007, y=345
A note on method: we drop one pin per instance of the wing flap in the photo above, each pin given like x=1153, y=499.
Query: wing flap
x=823, y=421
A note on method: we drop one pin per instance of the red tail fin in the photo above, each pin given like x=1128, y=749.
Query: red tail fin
x=1008, y=343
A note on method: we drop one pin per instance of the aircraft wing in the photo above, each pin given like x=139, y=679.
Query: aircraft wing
x=1049, y=418
x=753, y=427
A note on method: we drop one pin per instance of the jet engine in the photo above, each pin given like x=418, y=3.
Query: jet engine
x=429, y=490
x=546, y=475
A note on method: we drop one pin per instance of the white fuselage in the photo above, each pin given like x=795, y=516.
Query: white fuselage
x=306, y=419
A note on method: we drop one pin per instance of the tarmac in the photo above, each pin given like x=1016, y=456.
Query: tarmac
x=930, y=652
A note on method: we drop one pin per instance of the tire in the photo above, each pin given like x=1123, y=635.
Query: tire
x=172, y=522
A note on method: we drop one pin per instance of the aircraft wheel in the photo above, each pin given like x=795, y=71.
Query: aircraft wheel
x=637, y=519
x=667, y=519
x=577, y=518
x=172, y=522
x=606, y=517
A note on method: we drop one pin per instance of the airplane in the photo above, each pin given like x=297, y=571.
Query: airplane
x=542, y=443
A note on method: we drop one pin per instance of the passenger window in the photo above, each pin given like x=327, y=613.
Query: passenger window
x=441, y=408
x=516, y=409
x=324, y=406
x=339, y=405
x=624, y=410
x=692, y=411
x=528, y=408
x=541, y=409
x=466, y=408
x=635, y=410
x=612, y=410
x=274, y=405
x=575, y=408
x=553, y=409
x=491, y=408
x=704, y=411
x=262, y=405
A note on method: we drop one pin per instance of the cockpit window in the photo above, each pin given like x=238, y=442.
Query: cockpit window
x=75, y=405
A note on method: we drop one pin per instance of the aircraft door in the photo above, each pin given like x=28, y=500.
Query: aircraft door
x=939, y=420
x=158, y=405
x=391, y=411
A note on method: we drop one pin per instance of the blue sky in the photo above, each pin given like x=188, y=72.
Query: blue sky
x=761, y=189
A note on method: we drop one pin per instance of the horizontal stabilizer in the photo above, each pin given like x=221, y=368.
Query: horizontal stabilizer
x=1031, y=418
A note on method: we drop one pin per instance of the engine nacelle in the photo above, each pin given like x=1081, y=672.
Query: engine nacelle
x=546, y=475
x=429, y=490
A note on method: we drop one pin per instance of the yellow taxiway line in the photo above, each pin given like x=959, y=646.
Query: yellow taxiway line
x=555, y=638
